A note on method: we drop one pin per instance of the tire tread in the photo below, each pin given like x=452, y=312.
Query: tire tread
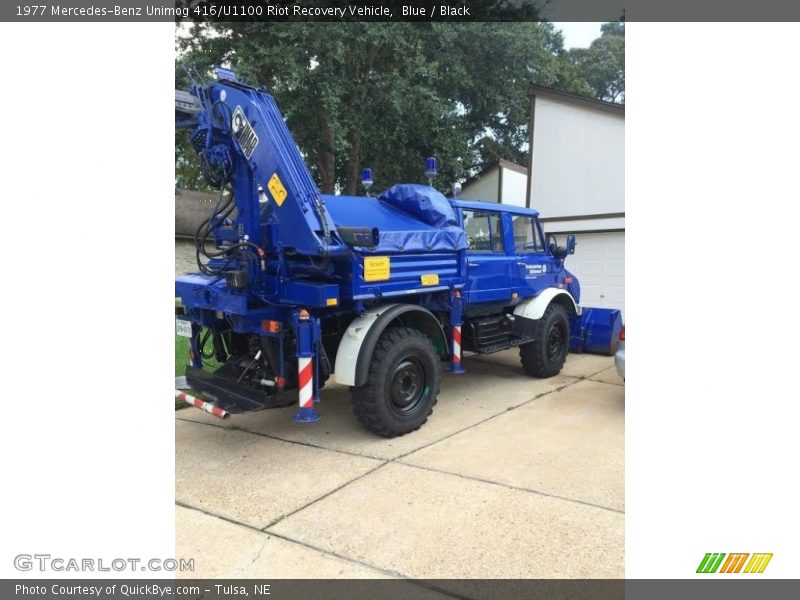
x=532, y=355
x=365, y=399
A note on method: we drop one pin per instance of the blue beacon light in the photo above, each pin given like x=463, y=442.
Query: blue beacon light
x=431, y=168
x=366, y=179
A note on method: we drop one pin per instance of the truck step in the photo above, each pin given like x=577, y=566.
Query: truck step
x=229, y=395
x=503, y=345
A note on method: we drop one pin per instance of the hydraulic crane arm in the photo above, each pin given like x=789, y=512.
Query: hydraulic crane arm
x=241, y=139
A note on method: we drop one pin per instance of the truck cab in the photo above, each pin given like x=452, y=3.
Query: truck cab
x=508, y=258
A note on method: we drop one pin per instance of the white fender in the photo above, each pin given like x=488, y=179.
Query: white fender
x=534, y=308
x=344, y=371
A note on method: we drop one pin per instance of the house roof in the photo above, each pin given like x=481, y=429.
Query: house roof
x=191, y=209
x=612, y=107
x=507, y=164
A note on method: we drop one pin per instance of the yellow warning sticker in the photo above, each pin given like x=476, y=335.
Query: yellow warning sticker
x=376, y=268
x=331, y=302
x=430, y=279
x=276, y=188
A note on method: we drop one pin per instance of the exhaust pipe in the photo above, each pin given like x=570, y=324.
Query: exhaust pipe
x=202, y=405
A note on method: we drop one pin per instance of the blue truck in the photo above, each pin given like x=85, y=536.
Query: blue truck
x=380, y=293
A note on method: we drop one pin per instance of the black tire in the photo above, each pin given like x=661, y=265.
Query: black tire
x=402, y=384
x=545, y=356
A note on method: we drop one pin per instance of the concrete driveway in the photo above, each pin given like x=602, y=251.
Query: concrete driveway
x=512, y=477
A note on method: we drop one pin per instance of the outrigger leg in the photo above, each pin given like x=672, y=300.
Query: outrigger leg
x=304, y=332
x=455, y=325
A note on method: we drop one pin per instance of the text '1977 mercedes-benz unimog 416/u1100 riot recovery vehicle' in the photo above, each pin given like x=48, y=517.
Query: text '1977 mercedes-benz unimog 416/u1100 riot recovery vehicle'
x=377, y=292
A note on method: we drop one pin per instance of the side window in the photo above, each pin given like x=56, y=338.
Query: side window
x=526, y=235
x=484, y=231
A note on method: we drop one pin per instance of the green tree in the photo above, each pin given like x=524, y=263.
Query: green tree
x=386, y=95
x=602, y=64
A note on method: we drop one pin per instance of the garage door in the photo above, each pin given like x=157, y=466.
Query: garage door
x=599, y=265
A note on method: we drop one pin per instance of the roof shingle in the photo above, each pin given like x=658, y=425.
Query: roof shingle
x=191, y=209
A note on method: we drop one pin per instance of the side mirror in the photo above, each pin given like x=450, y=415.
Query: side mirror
x=552, y=243
x=560, y=252
x=570, y=244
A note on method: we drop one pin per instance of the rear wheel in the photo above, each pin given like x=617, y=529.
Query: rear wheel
x=545, y=356
x=402, y=384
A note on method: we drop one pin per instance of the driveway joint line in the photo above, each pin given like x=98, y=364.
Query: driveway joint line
x=489, y=418
x=280, y=439
x=381, y=569
x=480, y=359
x=607, y=382
x=331, y=553
x=349, y=453
x=208, y=513
x=333, y=491
x=395, y=460
x=514, y=487
x=590, y=375
x=398, y=460
x=297, y=542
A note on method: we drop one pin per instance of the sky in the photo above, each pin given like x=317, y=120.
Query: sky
x=578, y=35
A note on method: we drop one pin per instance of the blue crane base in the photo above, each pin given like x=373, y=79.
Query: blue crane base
x=455, y=369
x=306, y=415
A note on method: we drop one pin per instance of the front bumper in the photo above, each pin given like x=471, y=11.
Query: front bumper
x=619, y=360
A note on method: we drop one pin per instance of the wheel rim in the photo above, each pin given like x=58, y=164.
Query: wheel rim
x=556, y=339
x=407, y=386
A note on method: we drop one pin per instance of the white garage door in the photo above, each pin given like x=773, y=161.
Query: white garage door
x=599, y=265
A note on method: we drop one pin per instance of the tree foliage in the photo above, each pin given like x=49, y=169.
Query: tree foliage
x=602, y=65
x=385, y=95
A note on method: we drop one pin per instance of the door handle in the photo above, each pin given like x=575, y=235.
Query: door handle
x=473, y=264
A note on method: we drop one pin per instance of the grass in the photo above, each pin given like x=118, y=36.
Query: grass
x=182, y=358
x=181, y=355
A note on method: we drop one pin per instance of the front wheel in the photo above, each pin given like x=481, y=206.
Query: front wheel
x=402, y=384
x=545, y=355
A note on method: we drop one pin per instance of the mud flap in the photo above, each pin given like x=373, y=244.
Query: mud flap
x=595, y=331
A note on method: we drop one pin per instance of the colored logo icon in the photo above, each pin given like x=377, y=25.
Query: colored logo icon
x=734, y=563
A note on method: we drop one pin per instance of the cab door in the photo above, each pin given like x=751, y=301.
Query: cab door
x=536, y=268
x=491, y=269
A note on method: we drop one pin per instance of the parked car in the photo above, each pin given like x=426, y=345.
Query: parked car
x=619, y=357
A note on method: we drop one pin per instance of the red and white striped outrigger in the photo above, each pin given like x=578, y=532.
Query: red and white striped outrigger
x=456, y=359
x=307, y=391
x=305, y=381
x=202, y=404
x=455, y=326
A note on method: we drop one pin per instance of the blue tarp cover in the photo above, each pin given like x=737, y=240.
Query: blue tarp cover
x=421, y=202
x=409, y=218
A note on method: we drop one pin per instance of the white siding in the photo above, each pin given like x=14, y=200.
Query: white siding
x=484, y=188
x=578, y=171
x=578, y=160
x=576, y=225
x=515, y=187
x=513, y=184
